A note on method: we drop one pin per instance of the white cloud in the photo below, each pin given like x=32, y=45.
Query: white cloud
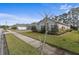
x=13, y=19
x=65, y=7
x=5, y=14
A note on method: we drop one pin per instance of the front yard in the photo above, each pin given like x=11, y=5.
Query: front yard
x=68, y=41
x=19, y=47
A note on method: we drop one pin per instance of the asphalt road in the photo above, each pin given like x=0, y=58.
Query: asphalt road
x=3, y=46
x=1, y=42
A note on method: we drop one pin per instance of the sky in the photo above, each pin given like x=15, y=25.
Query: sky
x=26, y=13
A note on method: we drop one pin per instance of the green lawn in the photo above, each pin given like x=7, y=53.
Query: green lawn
x=68, y=41
x=19, y=47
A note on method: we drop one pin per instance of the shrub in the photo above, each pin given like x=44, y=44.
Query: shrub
x=74, y=27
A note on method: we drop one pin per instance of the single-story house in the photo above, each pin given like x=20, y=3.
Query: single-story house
x=22, y=26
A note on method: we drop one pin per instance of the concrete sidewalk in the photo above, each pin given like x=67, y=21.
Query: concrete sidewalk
x=35, y=43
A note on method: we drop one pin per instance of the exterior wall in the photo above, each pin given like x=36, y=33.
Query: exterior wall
x=38, y=26
x=64, y=26
x=50, y=26
x=22, y=28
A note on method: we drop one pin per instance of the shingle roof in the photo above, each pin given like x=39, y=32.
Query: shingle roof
x=48, y=19
x=51, y=20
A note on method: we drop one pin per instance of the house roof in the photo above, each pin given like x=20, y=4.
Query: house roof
x=52, y=20
x=63, y=23
x=48, y=19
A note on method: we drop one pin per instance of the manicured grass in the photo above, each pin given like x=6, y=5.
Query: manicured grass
x=68, y=41
x=19, y=47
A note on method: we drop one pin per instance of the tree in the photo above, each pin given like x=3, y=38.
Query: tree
x=4, y=27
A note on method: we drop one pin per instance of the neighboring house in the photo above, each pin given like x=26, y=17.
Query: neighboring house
x=51, y=25
x=22, y=26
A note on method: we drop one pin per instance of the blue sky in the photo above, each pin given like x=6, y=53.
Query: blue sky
x=31, y=12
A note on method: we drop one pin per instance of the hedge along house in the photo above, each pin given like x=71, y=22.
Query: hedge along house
x=52, y=25
x=22, y=26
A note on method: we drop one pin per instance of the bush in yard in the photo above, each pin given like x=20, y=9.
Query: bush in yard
x=74, y=28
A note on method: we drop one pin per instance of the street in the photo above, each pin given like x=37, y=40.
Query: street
x=3, y=46
x=1, y=43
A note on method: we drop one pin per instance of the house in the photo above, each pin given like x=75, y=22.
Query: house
x=22, y=26
x=52, y=25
